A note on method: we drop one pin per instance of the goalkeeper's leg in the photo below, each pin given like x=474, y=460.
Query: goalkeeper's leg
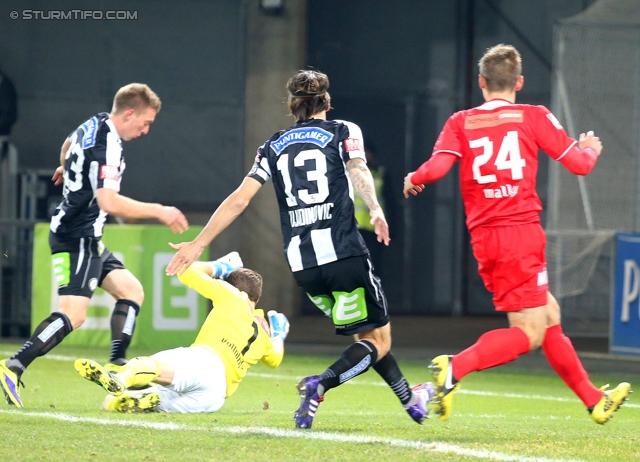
x=139, y=372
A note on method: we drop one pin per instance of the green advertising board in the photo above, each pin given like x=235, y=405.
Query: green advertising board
x=171, y=314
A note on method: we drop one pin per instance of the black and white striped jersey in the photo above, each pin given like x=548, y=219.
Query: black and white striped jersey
x=94, y=160
x=307, y=163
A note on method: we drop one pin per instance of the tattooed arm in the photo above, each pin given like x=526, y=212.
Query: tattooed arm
x=364, y=186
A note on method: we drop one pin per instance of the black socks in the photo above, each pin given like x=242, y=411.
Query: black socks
x=123, y=323
x=388, y=369
x=355, y=360
x=47, y=335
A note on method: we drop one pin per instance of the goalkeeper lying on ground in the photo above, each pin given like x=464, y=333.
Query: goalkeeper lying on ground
x=234, y=337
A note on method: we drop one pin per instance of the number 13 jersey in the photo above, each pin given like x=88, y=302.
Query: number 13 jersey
x=497, y=145
x=307, y=163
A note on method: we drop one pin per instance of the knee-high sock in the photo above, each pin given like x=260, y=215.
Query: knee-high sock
x=563, y=358
x=139, y=371
x=123, y=323
x=389, y=370
x=496, y=347
x=355, y=360
x=47, y=335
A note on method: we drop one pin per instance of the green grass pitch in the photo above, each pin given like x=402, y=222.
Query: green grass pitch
x=506, y=414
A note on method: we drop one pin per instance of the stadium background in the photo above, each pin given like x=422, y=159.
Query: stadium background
x=398, y=69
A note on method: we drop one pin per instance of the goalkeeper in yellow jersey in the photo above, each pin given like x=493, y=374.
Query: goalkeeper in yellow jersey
x=234, y=337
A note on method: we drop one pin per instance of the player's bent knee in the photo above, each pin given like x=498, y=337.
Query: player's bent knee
x=382, y=346
x=74, y=308
x=120, y=283
x=380, y=338
x=76, y=319
x=137, y=295
x=132, y=291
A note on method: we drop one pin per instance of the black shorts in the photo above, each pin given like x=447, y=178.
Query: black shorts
x=80, y=265
x=349, y=292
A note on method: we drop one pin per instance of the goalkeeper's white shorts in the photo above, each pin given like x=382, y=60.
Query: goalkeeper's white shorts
x=199, y=382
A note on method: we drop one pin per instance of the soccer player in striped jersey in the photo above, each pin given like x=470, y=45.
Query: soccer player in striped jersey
x=497, y=146
x=91, y=168
x=315, y=165
x=199, y=378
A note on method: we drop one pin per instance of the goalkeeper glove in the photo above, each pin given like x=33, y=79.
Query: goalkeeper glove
x=279, y=325
x=225, y=265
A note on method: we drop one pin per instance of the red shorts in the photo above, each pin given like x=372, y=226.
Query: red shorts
x=512, y=264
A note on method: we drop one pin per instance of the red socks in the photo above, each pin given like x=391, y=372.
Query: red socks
x=501, y=346
x=494, y=348
x=564, y=360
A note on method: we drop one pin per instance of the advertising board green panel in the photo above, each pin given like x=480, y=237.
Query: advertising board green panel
x=171, y=314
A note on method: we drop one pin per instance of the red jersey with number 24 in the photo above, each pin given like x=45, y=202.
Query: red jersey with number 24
x=497, y=146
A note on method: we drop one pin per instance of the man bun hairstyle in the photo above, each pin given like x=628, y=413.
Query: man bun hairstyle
x=136, y=96
x=501, y=66
x=247, y=281
x=308, y=94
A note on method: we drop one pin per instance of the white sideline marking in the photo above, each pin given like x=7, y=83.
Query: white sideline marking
x=302, y=434
x=51, y=356
x=360, y=381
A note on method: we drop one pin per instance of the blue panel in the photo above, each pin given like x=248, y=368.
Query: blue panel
x=625, y=322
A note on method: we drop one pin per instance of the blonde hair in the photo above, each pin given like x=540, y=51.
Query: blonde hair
x=501, y=66
x=308, y=94
x=136, y=96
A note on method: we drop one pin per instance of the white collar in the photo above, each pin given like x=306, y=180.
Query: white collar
x=493, y=104
x=111, y=125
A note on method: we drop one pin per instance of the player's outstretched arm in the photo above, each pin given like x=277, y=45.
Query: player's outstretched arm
x=432, y=170
x=226, y=213
x=115, y=204
x=365, y=188
x=198, y=277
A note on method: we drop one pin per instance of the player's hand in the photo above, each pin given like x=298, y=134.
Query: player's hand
x=279, y=325
x=589, y=140
x=58, y=176
x=174, y=219
x=188, y=252
x=410, y=188
x=380, y=223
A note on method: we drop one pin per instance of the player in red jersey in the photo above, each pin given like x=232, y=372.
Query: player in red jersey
x=497, y=146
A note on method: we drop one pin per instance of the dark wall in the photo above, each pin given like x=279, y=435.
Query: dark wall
x=399, y=69
x=191, y=53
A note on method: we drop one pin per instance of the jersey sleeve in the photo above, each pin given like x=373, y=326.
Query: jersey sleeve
x=353, y=142
x=273, y=357
x=579, y=161
x=446, y=152
x=216, y=290
x=450, y=140
x=434, y=169
x=550, y=135
x=261, y=171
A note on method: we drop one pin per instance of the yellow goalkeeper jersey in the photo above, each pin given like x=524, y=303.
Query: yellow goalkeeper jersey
x=230, y=329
